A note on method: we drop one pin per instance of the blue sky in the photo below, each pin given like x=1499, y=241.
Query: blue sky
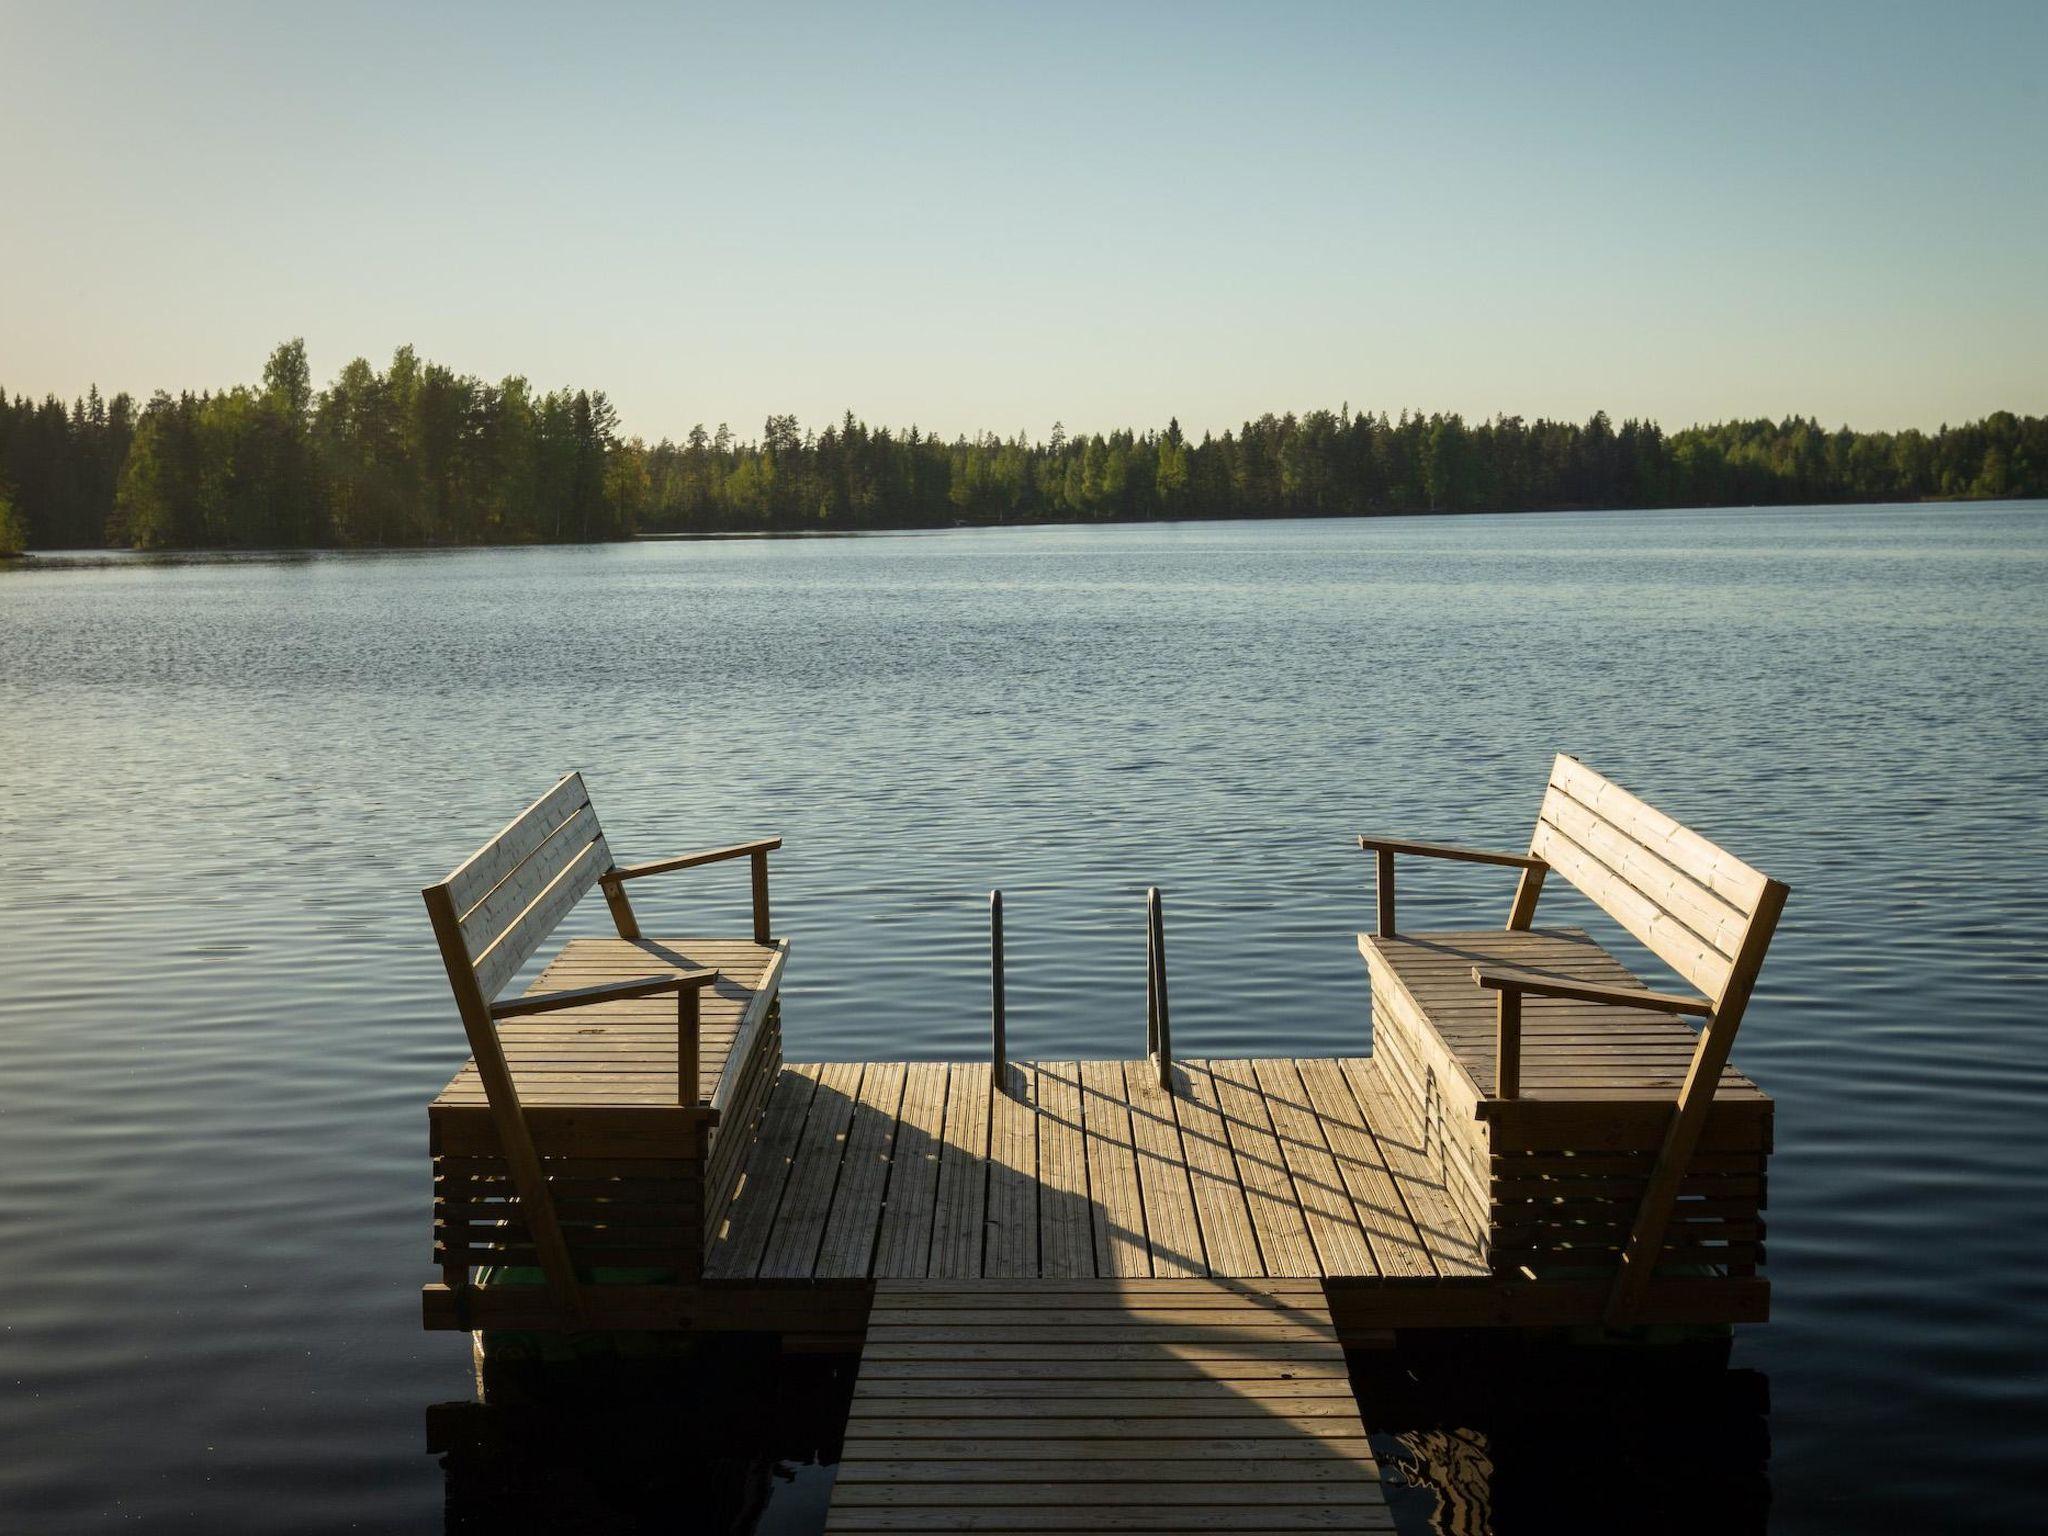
x=979, y=217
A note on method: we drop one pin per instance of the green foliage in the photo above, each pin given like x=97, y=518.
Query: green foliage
x=417, y=454
x=13, y=528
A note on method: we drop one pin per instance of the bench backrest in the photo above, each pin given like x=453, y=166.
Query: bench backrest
x=1697, y=907
x=512, y=892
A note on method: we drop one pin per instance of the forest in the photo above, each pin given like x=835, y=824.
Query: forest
x=417, y=454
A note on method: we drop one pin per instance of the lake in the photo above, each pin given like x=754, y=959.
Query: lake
x=223, y=783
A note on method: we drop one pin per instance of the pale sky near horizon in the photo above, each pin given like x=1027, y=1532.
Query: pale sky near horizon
x=978, y=217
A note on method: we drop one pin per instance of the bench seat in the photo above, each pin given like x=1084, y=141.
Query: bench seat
x=1587, y=1133
x=603, y=1114
x=624, y=1052
x=1571, y=1051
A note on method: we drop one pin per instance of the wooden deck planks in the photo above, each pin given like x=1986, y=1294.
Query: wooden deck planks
x=1066, y=1236
x=1132, y=1404
x=854, y=1226
x=957, y=1225
x=1173, y=1227
x=1232, y=1090
x=750, y=1220
x=1397, y=1247
x=1319, y=1186
x=1115, y=1202
x=904, y=1244
x=793, y=1246
x=1012, y=1246
x=1227, y=1236
x=1446, y=1234
x=1088, y=1171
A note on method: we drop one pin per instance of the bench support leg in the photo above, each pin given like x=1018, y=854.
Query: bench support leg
x=622, y=909
x=1527, y=890
x=1695, y=1101
x=515, y=1138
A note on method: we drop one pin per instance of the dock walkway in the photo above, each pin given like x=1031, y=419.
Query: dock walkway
x=1125, y=1405
x=1081, y=1170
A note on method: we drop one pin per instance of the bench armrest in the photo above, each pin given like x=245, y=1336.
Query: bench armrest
x=1383, y=850
x=1511, y=982
x=609, y=992
x=1507, y=978
x=692, y=860
x=1451, y=851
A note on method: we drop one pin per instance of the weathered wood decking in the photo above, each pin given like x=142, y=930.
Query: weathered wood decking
x=1250, y=1168
x=1130, y=1405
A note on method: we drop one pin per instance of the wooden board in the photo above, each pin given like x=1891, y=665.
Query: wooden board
x=1115, y=1202
x=904, y=1244
x=1194, y=1405
x=1066, y=1235
x=1231, y=1089
x=1012, y=1241
x=1173, y=1228
x=957, y=1227
x=1089, y=1171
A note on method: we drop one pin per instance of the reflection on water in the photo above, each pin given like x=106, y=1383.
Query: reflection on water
x=1490, y=1435
x=740, y=1440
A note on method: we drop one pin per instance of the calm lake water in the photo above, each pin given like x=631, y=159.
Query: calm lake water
x=222, y=1015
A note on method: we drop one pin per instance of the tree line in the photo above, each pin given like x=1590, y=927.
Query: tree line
x=417, y=454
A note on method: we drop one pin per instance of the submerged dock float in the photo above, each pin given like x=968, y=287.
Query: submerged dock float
x=1537, y=1139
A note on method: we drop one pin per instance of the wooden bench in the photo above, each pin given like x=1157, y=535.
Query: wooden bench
x=1579, y=1122
x=602, y=1114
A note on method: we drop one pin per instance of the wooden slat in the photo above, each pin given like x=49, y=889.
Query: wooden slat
x=904, y=1246
x=1116, y=1204
x=739, y=1249
x=1715, y=919
x=1227, y=1236
x=1663, y=934
x=1173, y=1227
x=473, y=879
x=792, y=1252
x=1707, y=863
x=1193, y=1464
x=850, y=1231
x=511, y=896
x=1013, y=1176
x=964, y=1174
x=1234, y=1414
x=1066, y=1240
x=526, y=932
x=1284, y=1242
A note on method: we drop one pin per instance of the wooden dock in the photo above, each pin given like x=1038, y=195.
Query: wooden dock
x=1108, y=1405
x=1108, y=1294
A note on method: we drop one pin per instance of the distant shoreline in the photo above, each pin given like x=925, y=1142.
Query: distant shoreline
x=200, y=554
